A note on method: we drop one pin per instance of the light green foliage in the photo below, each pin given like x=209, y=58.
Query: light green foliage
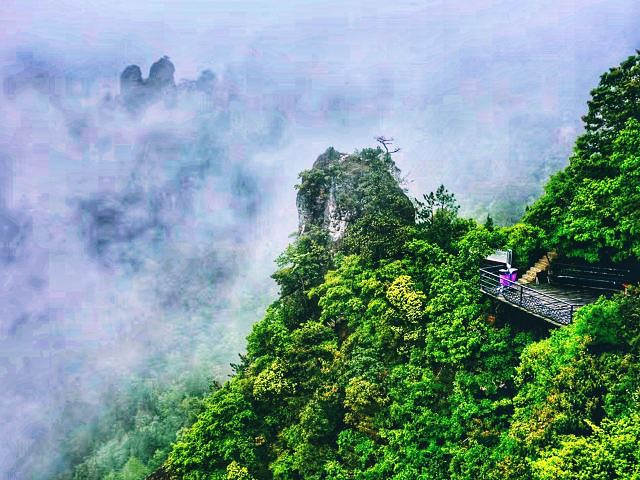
x=235, y=471
x=402, y=295
x=362, y=400
x=271, y=382
x=578, y=395
x=133, y=470
x=611, y=452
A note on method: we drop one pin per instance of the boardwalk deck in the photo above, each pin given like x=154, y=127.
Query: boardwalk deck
x=577, y=296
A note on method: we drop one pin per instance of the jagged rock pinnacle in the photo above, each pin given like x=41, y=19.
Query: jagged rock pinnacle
x=161, y=74
x=335, y=192
x=136, y=92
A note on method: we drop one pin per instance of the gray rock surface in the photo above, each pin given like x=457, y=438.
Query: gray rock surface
x=337, y=190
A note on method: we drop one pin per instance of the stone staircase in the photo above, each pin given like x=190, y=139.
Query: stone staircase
x=542, y=265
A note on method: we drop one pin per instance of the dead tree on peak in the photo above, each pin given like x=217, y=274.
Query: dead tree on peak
x=386, y=143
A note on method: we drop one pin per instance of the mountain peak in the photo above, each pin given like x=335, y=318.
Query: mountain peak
x=137, y=92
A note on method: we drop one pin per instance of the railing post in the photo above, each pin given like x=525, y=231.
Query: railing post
x=521, y=290
x=571, y=315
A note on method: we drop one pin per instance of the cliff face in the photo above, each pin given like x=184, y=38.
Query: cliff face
x=338, y=190
x=316, y=201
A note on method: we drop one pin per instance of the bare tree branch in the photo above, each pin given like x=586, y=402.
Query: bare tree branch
x=386, y=142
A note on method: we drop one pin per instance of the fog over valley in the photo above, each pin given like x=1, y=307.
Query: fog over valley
x=148, y=158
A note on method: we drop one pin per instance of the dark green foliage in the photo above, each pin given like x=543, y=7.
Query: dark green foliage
x=315, y=185
x=226, y=438
x=527, y=242
x=376, y=237
x=442, y=202
x=437, y=218
x=590, y=209
x=369, y=197
x=613, y=102
x=488, y=223
x=302, y=267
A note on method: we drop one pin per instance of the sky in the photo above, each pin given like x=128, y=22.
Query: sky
x=477, y=70
x=483, y=96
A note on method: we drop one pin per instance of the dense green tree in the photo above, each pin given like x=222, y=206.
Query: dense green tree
x=613, y=102
x=437, y=218
x=600, y=221
x=576, y=389
x=590, y=209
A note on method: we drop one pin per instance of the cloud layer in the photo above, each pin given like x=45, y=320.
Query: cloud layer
x=130, y=237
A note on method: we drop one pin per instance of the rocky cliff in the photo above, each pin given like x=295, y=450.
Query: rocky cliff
x=339, y=189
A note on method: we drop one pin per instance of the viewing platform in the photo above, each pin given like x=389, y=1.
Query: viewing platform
x=564, y=289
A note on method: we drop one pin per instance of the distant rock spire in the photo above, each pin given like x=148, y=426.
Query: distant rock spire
x=131, y=81
x=161, y=74
x=135, y=92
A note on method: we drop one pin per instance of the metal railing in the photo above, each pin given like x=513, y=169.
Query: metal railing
x=589, y=276
x=544, y=305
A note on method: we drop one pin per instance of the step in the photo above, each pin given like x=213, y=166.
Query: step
x=541, y=265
